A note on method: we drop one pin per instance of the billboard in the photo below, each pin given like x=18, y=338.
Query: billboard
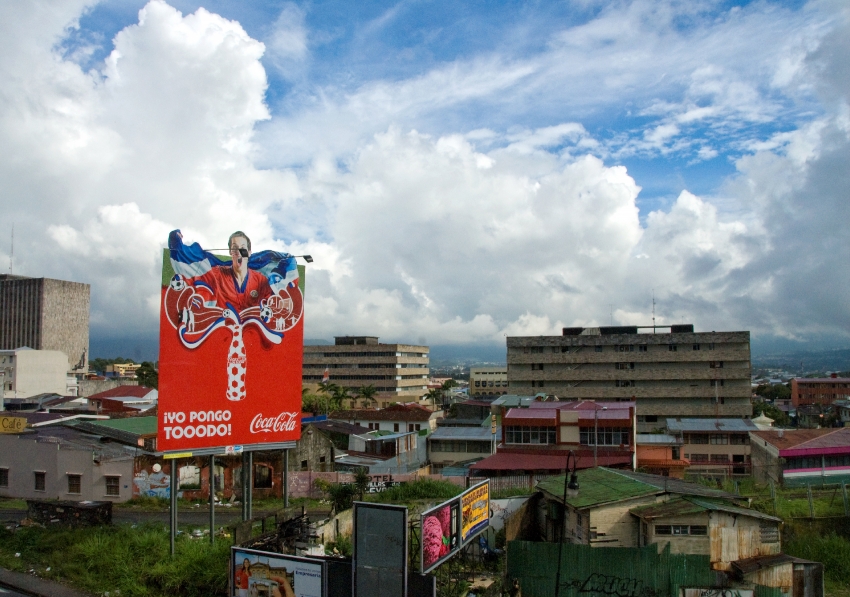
x=440, y=532
x=380, y=550
x=230, y=346
x=475, y=510
x=257, y=573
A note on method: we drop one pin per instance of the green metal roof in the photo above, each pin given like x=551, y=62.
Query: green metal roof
x=137, y=425
x=689, y=505
x=598, y=486
x=722, y=507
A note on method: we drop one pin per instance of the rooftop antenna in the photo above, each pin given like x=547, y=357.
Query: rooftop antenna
x=653, y=310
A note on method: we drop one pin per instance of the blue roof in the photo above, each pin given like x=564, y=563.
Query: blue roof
x=711, y=425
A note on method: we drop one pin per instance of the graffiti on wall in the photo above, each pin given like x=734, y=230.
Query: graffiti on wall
x=152, y=484
x=614, y=586
x=716, y=592
x=379, y=483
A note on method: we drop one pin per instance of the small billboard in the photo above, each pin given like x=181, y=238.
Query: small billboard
x=380, y=550
x=231, y=346
x=475, y=511
x=256, y=573
x=440, y=532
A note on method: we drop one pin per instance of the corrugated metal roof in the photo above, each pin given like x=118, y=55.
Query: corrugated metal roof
x=785, y=439
x=124, y=392
x=508, y=461
x=542, y=414
x=598, y=486
x=682, y=506
x=757, y=563
x=724, y=507
x=137, y=425
x=470, y=433
x=679, y=486
x=711, y=425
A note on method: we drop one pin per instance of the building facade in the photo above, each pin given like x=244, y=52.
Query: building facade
x=799, y=457
x=488, y=381
x=715, y=448
x=398, y=370
x=674, y=373
x=819, y=390
x=46, y=314
x=25, y=373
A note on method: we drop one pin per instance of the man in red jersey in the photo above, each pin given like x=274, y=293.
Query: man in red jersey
x=236, y=285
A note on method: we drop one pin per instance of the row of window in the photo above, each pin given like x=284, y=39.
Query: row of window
x=113, y=482
x=470, y=447
x=605, y=436
x=339, y=355
x=681, y=529
x=717, y=439
x=720, y=458
x=397, y=427
x=529, y=435
x=616, y=347
x=834, y=460
x=491, y=384
x=365, y=366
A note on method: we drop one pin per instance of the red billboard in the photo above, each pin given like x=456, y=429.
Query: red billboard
x=231, y=335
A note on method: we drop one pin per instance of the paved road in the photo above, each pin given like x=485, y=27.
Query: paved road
x=6, y=592
x=190, y=517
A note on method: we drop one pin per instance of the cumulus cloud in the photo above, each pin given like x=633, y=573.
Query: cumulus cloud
x=426, y=228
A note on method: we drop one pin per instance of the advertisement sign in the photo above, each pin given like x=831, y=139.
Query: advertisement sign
x=257, y=573
x=12, y=424
x=440, y=532
x=380, y=550
x=475, y=510
x=230, y=346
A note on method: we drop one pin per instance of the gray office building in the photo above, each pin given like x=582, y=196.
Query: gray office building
x=46, y=314
x=670, y=371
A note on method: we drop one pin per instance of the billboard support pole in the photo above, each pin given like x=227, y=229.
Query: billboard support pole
x=286, y=478
x=172, y=491
x=244, y=483
x=250, y=488
x=212, y=499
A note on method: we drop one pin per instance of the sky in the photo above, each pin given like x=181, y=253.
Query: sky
x=460, y=172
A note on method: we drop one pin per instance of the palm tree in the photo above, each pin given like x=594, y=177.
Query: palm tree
x=447, y=385
x=432, y=395
x=367, y=395
x=338, y=395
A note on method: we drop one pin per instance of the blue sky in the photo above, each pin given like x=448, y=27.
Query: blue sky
x=436, y=155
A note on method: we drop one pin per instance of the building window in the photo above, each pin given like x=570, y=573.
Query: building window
x=607, y=436
x=538, y=383
x=739, y=440
x=624, y=383
x=716, y=382
x=720, y=458
x=680, y=529
x=711, y=345
x=625, y=348
x=262, y=476
x=696, y=346
x=418, y=427
x=304, y=465
x=715, y=364
x=699, y=458
x=769, y=533
x=672, y=347
x=718, y=439
x=40, y=481
x=113, y=486
x=622, y=366
x=4, y=477
x=642, y=347
x=598, y=348
x=477, y=384
x=529, y=435
x=75, y=483
x=395, y=427
x=537, y=366
x=693, y=438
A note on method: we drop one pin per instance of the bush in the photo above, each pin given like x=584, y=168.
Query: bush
x=831, y=550
x=421, y=489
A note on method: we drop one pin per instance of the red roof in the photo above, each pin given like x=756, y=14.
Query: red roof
x=785, y=439
x=502, y=461
x=123, y=392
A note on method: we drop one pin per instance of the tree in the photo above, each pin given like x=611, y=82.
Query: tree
x=774, y=391
x=780, y=419
x=147, y=375
x=338, y=395
x=367, y=395
x=361, y=481
x=432, y=395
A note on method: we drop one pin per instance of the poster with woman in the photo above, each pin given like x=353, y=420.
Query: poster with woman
x=231, y=346
x=264, y=574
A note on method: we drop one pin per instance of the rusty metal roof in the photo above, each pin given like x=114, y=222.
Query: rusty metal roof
x=688, y=505
x=757, y=563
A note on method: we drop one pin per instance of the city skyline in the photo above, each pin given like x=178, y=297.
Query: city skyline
x=459, y=174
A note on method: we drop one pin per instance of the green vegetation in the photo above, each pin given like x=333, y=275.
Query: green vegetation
x=831, y=550
x=147, y=375
x=12, y=504
x=780, y=419
x=99, y=365
x=135, y=562
x=421, y=489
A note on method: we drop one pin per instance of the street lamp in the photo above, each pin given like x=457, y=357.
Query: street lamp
x=596, y=430
x=570, y=489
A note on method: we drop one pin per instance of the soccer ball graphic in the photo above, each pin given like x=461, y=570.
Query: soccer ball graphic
x=178, y=283
x=266, y=313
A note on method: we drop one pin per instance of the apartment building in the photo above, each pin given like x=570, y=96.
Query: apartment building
x=669, y=371
x=819, y=390
x=716, y=448
x=488, y=381
x=46, y=314
x=400, y=370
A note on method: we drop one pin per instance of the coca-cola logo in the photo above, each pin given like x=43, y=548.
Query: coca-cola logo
x=283, y=422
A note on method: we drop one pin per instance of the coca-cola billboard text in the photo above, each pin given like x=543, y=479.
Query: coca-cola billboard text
x=231, y=338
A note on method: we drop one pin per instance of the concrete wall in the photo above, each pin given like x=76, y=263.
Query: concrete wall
x=89, y=387
x=38, y=372
x=65, y=319
x=24, y=457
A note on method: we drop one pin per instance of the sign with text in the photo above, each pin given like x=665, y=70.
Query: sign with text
x=475, y=510
x=258, y=572
x=231, y=346
x=12, y=424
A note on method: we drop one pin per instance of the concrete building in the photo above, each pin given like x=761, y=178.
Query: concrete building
x=46, y=314
x=449, y=446
x=397, y=418
x=488, y=381
x=399, y=372
x=819, y=390
x=384, y=454
x=25, y=372
x=661, y=454
x=677, y=373
x=716, y=448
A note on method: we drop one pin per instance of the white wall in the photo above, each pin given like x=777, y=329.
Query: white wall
x=37, y=372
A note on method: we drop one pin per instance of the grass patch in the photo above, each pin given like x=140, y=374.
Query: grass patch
x=831, y=550
x=12, y=504
x=135, y=561
x=421, y=489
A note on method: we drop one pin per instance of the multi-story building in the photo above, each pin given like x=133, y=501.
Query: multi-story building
x=25, y=372
x=677, y=373
x=716, y=448
x=46, y=314
x=488, y=381
x=398, y=372
x=819, y=390
x=799, y=457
